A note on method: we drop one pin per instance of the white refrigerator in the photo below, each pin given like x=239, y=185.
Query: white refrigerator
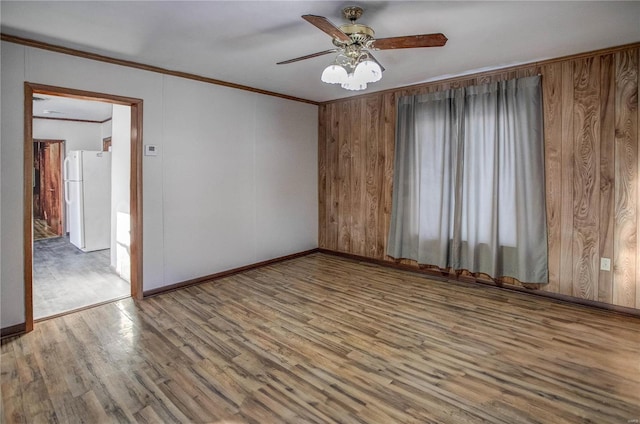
x=87, y=191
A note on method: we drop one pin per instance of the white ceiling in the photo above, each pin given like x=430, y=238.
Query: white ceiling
x=241, y=41
x=46, y=106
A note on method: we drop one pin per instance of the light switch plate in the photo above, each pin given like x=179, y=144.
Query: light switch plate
x=605, y=264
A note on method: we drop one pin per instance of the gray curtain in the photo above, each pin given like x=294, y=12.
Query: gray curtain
x=469, y=190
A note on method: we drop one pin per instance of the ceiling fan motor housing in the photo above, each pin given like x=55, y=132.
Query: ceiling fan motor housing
x=358, y=33
x=352, y=13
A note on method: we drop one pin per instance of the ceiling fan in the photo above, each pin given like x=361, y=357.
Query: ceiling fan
x=354, y=66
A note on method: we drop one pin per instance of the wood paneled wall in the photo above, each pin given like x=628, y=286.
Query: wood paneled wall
x=591, y=158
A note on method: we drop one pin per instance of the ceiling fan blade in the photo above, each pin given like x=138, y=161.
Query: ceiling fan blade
x=324, y=25
x=309, y=56
x=410, y=41
x=376, y=60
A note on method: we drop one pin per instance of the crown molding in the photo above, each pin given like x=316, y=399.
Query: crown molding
x=130, y=64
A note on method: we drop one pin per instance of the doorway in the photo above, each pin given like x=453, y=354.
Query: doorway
x=37, y=206
x=48, y=218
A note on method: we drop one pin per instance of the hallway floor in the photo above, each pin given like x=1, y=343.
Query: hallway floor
x=65, y=278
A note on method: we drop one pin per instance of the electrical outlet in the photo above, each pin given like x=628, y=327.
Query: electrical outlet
x=605, y=264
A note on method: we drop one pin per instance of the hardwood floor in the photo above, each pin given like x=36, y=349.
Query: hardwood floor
x=321, y=339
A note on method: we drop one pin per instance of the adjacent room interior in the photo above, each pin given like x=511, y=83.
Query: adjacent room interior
x=320, y=212
x=78, y=204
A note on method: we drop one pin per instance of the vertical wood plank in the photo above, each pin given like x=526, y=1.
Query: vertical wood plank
x=381, y=237
x=389, y=134
x=607, y=173
x=362, y=172
x=356, y=185
x=586, y=115
x=51, y=185
x=501, y=76
x=528, y=71
x=552, y=100
x=344, y=178
x=332, y=177
x=626, y=202
x=637, y=105
x=372, y=172
x=322, y=176
x=566, y=217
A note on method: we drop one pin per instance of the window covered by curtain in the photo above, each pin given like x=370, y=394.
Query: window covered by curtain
x=469, y=188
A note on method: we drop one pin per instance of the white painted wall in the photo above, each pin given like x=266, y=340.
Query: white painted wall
x=11, y=178
x=105, y=129
x=234, y=183
x=120, y=181
x=77, y=135
x=251, y=164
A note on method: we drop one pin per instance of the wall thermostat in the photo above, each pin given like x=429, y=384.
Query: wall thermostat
x=150, y=150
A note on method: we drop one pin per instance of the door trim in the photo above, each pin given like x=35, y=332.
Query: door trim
x=135, y=184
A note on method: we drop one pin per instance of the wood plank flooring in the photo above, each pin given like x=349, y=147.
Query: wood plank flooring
x=321, y=339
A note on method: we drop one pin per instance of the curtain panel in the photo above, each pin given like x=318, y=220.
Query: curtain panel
x=469, y=189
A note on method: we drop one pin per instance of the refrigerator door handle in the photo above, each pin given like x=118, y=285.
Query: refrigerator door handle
x=65, y=178
x=66, y=192
x=65, y=166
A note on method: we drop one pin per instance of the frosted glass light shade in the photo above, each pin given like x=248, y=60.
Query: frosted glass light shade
x=334, y=74
x=368, y=71
x=354, y=83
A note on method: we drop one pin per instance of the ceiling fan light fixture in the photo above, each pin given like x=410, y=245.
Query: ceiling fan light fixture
x=354, y=84
x=368, y=71
x=355, y=66
x=334, y=74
